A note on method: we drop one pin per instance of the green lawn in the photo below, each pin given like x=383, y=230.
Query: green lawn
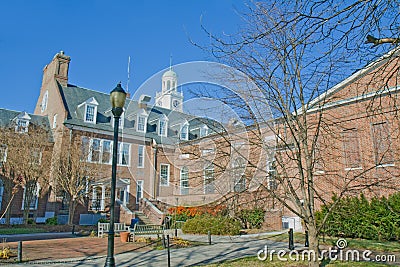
x=373, y=245
x=254, y=262
x=20, y=230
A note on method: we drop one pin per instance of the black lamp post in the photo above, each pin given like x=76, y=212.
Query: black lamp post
x=117, y=98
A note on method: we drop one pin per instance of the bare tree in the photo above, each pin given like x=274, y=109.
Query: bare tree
x=294, y=52
x=28, y=156
x=74, y=173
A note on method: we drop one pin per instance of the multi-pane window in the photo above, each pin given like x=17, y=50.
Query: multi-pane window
x=185, y=132
x=22, y=126
x=271, y=175
x=162, y=128
x=184, y=181
x=164, y=174
x=124, y=152
x=209, y=187
x=54, y=121
x=31, y=195
x=203, y=131
x=382, y=144
x=36, y=155
x=240, y=179
x=139, y=190
x=95, y=150
x=3, y=154
x=351, y=149
x=141, y=125
x=140, y=156
x=44, y=101
x=85, y=148
x=106, y=152
x=90, y=113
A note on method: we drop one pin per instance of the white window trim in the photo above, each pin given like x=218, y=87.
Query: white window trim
x=45, y=99
x=204, y=131
x=145, y=123
x=37, y=198
x=165, y=120
x=94, y=113
x=102, y=151
x=207, y=168
x=184, y=125
x=181, y=180
x=141, y=182
x=22, y=129
x=120, y=144
x=168, y=174
x=141, y=147
x=55, y=121
x=4, y=159
x=91, y=150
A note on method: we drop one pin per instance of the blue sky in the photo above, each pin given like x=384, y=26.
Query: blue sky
x=99, y=36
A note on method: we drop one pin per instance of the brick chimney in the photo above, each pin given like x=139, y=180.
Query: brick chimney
x=143, y=101
x=57, y=69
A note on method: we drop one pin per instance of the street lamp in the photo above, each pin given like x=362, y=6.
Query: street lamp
x=117, y=98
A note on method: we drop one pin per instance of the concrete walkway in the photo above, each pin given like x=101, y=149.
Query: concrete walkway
x=222, y=248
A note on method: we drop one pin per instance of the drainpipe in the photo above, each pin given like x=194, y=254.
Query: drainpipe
x=154, y=146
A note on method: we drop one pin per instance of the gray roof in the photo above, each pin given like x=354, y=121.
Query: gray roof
x=73, y=96
x=8, y=119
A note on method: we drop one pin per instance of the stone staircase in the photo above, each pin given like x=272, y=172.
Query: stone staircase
x=142, y=218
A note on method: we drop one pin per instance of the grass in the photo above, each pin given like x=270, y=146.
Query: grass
x=373, y=245
x=20, y=230
x=254, y=262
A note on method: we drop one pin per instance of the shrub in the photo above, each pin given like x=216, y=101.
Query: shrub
x=30, y=221
x=51, y=221
x=252, y=218
x=356, y=217
x=217, y=225
x=103, y=220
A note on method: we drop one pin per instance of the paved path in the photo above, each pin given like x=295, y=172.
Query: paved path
x=222, y=248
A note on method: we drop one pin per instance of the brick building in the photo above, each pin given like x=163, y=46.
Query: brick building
x=174, y=158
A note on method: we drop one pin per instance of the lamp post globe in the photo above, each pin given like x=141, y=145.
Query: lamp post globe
x=117, y=99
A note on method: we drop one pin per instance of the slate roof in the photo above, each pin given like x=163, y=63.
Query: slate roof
x=73, y=96
x=8, y=119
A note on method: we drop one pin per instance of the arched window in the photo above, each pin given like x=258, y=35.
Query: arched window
x=168, y=85
x=185, y=131
x=184, y=181
x=209, y=187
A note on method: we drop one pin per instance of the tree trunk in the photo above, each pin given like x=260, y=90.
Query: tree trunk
x=71, y=211
x=313, y=245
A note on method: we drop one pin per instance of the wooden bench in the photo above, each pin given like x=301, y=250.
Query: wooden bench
x=103, y=228
x=146, y=229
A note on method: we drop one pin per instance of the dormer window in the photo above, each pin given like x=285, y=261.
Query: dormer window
x=22, y=126
x=90, y=110
x=203, y=131
x=185, y=131
x=163, y=126
x=22, y=123
x=141, y=125
x=89, y=113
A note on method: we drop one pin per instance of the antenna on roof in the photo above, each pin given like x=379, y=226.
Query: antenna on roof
x=127, y=82
x=170, y=61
